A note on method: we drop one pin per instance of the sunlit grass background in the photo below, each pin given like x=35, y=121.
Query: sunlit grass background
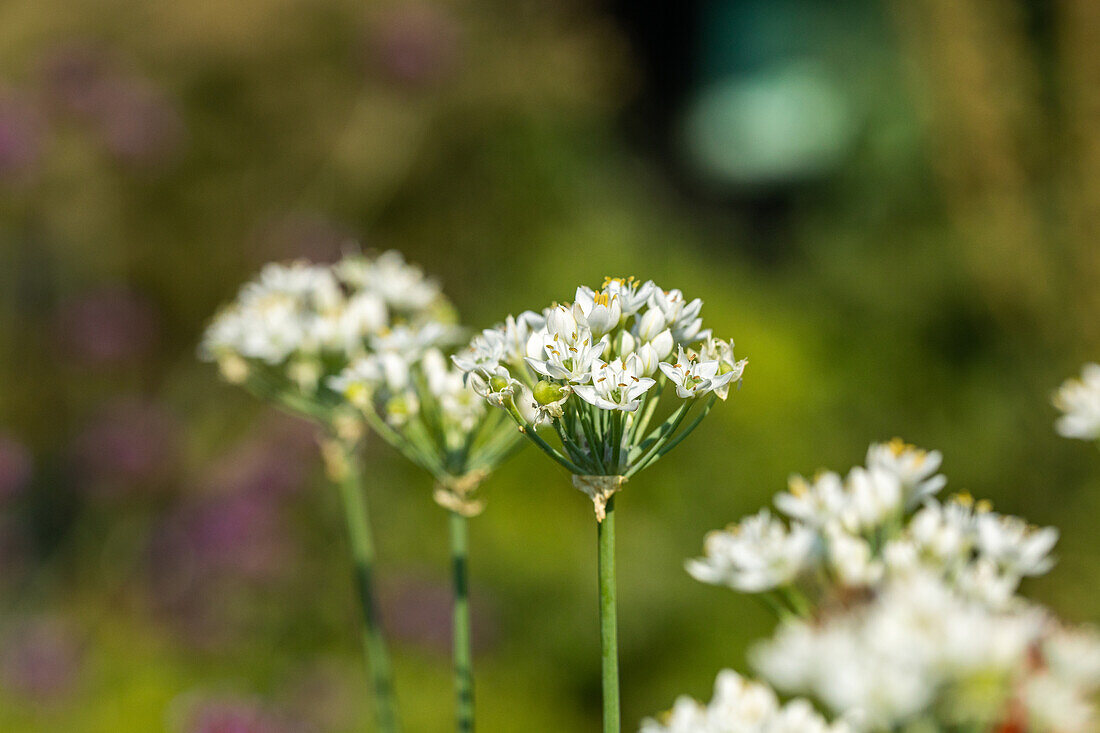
x=892, y=208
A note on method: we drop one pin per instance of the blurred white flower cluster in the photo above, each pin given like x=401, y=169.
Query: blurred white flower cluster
x=594, y=372
x=741, y=706
x=1079, y=401
x=370, y=333
x=920, y=650
x=297, y=324
x=900, y=612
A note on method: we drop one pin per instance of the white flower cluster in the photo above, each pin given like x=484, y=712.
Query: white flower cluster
x=1079, y=401
x=297, y=323
x=921, y=645
x=889, y=659
x=594, y=371
x=900, y=610
x=741, y=706
x=860, y=530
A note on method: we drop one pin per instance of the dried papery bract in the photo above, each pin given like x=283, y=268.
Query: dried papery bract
x=901, y=610
x=287, y=334
x=605, y=386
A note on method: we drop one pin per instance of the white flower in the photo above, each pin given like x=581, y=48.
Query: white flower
x=1079, y=400
x=567, y=352
x=874, y=496
x=1015, y=545
x=984, y=581
x=412, y=341
x=1054, y=705
x=914, y=468
x=722, y=351
x=695, y=378
x=401, y=285
x=615, y=386
x=599, y=312
x=681, y=316
x=1074, y=655
x=756, y=555
x=813, y=503
x=631, y=295
x=459, y=405
x=851, y=558
x=484, y=353
x=945, y=532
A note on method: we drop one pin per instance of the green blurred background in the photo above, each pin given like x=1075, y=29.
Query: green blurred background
x=891, y=207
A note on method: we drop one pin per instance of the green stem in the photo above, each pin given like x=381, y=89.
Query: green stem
x=362, y=548
x=463, y=656
x=609, y=633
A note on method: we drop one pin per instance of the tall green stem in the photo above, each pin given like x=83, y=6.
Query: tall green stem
x=362, y=548
x=463, y=656
x=609, y=632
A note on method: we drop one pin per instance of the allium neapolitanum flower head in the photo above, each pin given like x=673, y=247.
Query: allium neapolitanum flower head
x=899, y=612
x=592, y=375
x=852, y=533
x=297, y=324
x=1079, y=401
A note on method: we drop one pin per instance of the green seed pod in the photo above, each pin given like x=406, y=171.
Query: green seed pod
x=497, y=383
x=547, y=392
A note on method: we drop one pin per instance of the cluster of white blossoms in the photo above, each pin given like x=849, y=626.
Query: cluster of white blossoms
x=372, y=333
x=920, y=648
x=594, y=372
x=1079, y=401
x=878, y=522
x=741, y=706
x=900, y=611
x=297, y=324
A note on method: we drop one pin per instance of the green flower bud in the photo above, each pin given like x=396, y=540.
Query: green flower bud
x=397, y=407
x=547, y=392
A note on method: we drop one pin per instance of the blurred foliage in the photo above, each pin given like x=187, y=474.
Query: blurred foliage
x=167, y=544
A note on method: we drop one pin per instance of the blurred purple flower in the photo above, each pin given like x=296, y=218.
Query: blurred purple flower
x=72, y=76
x=415, y=44
x=301, y=236
x=134, y=120
x=138, y=125
x=21, y=136
x=16, y=466
x=126, y=443
x=274, y=463
x=107, y=327
x=233, y=531
x=40, y=659
x=237, y=716
x=418, y=611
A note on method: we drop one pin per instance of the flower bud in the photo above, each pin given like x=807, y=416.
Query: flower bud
x=547, y=392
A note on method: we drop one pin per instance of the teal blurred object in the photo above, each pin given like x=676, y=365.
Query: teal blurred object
x=783, y=125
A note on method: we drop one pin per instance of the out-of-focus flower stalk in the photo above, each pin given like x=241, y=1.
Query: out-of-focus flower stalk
x=342, y=466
